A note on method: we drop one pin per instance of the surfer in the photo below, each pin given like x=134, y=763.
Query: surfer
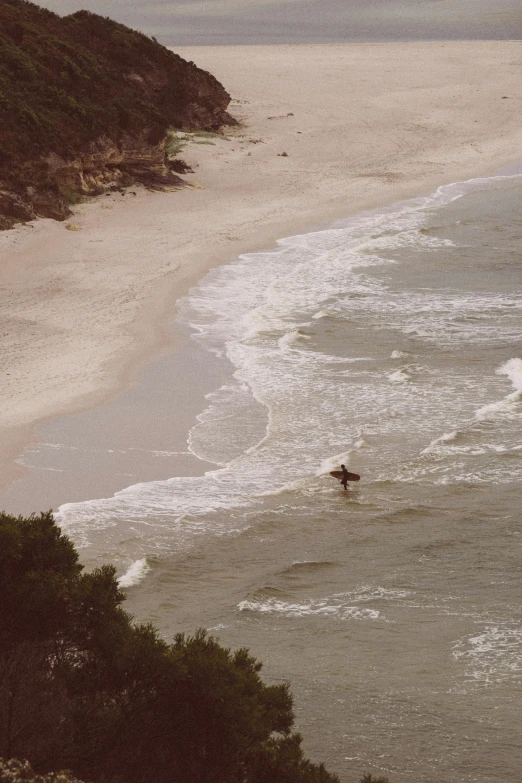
x=344, y=476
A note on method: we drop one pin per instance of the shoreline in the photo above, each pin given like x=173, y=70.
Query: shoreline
x=116, y=445
x=81, y=321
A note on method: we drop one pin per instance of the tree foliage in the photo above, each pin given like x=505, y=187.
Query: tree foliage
x=83, y=687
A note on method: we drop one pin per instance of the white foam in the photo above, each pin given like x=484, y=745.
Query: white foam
x=493, y=656
x=447, y=437
x=333, y=462
x=316, y=607
x=445, y=318
x=292, y=338
x=412, y=238
x=456, y=449
x=342, y=606
x=377, y=593
x=513, y=369
x=156, y=453
x=399, y=376
x=473, y=450
x=229, y=425
x=135, y=573
x=511, y=403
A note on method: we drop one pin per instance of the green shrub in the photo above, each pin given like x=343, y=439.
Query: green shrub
x=209, y=135
x=70, y=196
x=175, y=143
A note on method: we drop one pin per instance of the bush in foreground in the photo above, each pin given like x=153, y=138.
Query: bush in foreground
x=14, y=771
x=84, y=688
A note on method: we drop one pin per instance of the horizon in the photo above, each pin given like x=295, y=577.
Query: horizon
x=236, y=22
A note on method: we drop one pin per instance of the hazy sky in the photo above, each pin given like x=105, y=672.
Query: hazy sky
x=299, y=21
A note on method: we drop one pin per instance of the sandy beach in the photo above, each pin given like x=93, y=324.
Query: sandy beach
x=325, y=131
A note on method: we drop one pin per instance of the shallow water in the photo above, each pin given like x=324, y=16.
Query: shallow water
x=390, y=342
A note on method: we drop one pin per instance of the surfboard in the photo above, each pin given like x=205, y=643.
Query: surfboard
x=338, y=474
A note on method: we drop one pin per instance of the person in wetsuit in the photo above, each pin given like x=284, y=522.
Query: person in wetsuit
x=344, y=480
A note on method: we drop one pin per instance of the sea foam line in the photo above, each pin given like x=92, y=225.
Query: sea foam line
x=509, y=404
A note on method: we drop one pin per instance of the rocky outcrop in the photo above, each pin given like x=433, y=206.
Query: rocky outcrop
x=47, y=203
x=104, y=165
x=15, y=208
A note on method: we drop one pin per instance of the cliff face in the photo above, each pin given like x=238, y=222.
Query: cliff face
x=105, y=163
x=85, y=104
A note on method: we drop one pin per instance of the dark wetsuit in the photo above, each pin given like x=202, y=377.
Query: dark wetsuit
x=344, y=480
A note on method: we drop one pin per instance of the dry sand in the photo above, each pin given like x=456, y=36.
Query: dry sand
x=361, y=125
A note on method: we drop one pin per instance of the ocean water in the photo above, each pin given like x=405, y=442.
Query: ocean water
x=211, y=22
x=391, y=342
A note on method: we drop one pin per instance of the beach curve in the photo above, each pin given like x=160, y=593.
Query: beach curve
x=82, y=309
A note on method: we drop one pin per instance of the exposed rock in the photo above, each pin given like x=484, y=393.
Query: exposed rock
x=12, y=206
x=144, y=161
x=50, y=205
x=180, y=166
x=105, y=166
x=108, y=165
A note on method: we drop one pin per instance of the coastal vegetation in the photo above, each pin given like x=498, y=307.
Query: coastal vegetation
x=86, y=102
x=15, y=771
x=84, y=688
